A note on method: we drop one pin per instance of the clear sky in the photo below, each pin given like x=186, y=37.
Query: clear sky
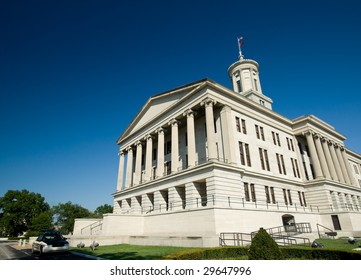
x=73, y=74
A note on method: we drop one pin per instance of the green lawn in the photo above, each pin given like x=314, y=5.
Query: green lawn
x=137, y=252
x=338, y=244
x=130, y=252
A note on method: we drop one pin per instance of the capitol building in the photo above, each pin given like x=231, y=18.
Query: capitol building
x=203, y=160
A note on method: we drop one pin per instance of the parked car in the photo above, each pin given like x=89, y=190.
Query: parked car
x=50, y=241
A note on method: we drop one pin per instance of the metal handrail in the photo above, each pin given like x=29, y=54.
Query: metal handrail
x=333, y=233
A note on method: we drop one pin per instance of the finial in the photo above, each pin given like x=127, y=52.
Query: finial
x=240, y=44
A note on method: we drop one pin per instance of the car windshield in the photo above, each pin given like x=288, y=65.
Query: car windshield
x=52, y=236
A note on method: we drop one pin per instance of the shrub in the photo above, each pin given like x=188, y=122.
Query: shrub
x=263, y=247
x=209, y=253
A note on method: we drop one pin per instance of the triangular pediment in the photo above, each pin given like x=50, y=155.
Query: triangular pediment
x=158, y=104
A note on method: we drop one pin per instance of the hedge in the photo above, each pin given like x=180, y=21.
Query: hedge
x=288, y=253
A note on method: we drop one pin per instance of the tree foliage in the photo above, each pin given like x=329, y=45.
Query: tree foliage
x=66, y=213
x=263, y=247
x=18, y=208
x=103, y=209
x=40, y=223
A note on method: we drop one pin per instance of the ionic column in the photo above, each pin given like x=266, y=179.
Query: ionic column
x=129, y=178
x=329, y=161
x=191, y=140
x=314, y=157
x=342, y=164
x=148, y=157
x=211, y=142
x=160, y=150
x=348, y=167
x=175, y=149
x=138, y=163
x=226, y=122
x=322, y=157
x=336, y=163
x=120, y=171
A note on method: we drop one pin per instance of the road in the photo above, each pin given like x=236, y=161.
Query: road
x=10, y=251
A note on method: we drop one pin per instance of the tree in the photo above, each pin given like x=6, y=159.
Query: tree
x=17, y=209
x=103, y=209
x=263, y=247
x=66, y=213
x=40, y=223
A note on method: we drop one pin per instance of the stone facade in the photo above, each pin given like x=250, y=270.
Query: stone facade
x=203, y=159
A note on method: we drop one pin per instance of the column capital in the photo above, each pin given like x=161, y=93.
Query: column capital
x=121, y=153
x=308, y=132
x=189, y=113
x=174, y=122
x=324, y=139
x=208, y=102
x=160, y=130
x=148, y=137
x=137, y=143
x=129, y=148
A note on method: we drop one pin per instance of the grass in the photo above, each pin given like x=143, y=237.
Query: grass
x=338, y=244
x=130, y=252
x=137, y=252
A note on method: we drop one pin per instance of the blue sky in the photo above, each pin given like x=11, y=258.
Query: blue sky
x=73, y=74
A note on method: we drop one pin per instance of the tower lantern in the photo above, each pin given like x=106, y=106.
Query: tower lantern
x=244, y=75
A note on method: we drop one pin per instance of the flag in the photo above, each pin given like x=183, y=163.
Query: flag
x=240, y=41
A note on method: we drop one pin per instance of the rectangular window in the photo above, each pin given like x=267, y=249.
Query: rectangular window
x=257, y=131
x=155, y=154
x=291, y=142
x=285, y=196
x=244, y=129
x=283, y=165
x=278, y=139
x=262, y=132
x=261, y=158
x=289, y=197
x=268, y=198
x=293, y=167
x=238, y=125
x=239, y=85
x=248, y=155
x=241, y=153
x=306, y=173
x=297, y=170
x=246, y=191
x=274, y=138
x=253, y=193
x=304, y=199
x=336, y=222
x=279, y=163
x=300, y=198
x=266, y=160
x=273, y=195
x=168, y=147
x=288, y=143
x=263, y=155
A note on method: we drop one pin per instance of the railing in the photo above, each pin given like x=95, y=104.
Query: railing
x=329, y=233
x=214, y=201
x=235, y=239
x=92, y=229
x=282, y=235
